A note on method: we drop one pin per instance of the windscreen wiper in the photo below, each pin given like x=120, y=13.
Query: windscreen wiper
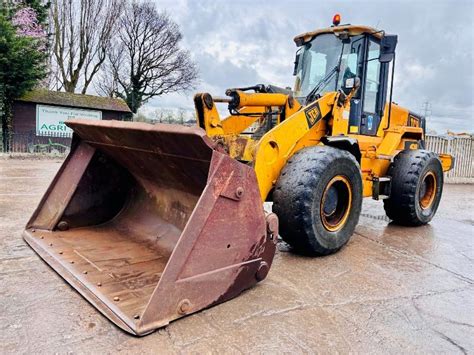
x=321, y=84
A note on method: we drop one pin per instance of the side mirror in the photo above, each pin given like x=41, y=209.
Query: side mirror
x=297, y=60
x=352, y=83
x=387, y=48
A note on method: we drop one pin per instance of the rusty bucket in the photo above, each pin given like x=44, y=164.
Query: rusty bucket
x=150, y=223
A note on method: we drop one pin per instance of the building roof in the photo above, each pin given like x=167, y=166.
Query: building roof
x=59, y=98
x=353, y=30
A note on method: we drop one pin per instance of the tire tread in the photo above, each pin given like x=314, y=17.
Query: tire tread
x=405, y=171
x=293, y=196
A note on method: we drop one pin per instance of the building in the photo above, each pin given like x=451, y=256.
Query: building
x=38, y=117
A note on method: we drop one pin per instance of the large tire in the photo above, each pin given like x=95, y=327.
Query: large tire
x=318, y=199
x=416, y=187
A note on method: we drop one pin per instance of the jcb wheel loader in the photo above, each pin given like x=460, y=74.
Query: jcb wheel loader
x=154, y=222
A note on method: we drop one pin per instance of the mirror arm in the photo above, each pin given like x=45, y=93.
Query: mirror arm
x=391, y=92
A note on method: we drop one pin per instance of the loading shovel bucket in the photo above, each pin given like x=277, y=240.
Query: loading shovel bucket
x=150, y=223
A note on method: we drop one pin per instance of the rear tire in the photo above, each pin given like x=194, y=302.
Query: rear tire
x=318, y=199
x=416, y=187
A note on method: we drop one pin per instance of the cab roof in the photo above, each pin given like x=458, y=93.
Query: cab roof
x=352, y=30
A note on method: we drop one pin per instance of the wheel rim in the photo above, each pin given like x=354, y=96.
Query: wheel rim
x=427, y=190
x=336, y=203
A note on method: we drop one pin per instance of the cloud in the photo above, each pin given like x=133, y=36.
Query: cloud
x=242, y=42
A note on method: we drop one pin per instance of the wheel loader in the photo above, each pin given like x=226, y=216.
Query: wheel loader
x=154, y=222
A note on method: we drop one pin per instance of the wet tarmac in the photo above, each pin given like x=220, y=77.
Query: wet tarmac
x=390, y=290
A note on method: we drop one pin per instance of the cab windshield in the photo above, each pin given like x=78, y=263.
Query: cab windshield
x=320, y=56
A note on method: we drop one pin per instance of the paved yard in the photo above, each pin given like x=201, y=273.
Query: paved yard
x=391, y=289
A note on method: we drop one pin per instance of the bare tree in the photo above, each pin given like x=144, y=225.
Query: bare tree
x=107, y=83
x=181, y=115
x=159, y=115
x=146, y=60
x=81, y=36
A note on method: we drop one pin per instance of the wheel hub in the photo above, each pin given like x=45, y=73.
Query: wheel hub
x=427, y=191
x=330, y=204
x=336, y=203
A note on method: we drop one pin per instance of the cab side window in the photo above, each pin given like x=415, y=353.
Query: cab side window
x=351, y=64
x=372, y=78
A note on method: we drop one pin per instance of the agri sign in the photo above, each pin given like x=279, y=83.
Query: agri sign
x=50, y=119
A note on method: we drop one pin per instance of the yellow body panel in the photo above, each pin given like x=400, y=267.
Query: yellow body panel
x=281, y=142
x=238, y=124
x=447, y=161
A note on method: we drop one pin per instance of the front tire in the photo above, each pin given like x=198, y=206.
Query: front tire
x=416, y=187
x=318, y=199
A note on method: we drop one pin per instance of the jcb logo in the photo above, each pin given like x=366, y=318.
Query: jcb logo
x=313, y=114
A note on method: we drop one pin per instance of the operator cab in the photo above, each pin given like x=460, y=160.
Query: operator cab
x=331, y=59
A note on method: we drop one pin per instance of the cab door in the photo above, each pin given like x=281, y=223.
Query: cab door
x=372, y=90
x=367, y=106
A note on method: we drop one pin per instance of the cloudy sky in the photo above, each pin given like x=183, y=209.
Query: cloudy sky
x=243, y=42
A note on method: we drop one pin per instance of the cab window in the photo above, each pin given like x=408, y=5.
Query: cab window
x=350, y=63
x=372, y=78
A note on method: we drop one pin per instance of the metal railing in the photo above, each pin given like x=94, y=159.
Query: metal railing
x=462, y=149
x=28, y=142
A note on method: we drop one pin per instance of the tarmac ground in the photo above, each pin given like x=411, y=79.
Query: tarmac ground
x=391, y=289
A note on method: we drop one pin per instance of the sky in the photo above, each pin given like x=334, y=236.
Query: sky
x=242, y=42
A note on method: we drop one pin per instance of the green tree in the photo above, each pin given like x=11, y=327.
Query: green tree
x=22, y=65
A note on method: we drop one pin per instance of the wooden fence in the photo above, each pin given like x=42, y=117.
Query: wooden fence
x=462, y=149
